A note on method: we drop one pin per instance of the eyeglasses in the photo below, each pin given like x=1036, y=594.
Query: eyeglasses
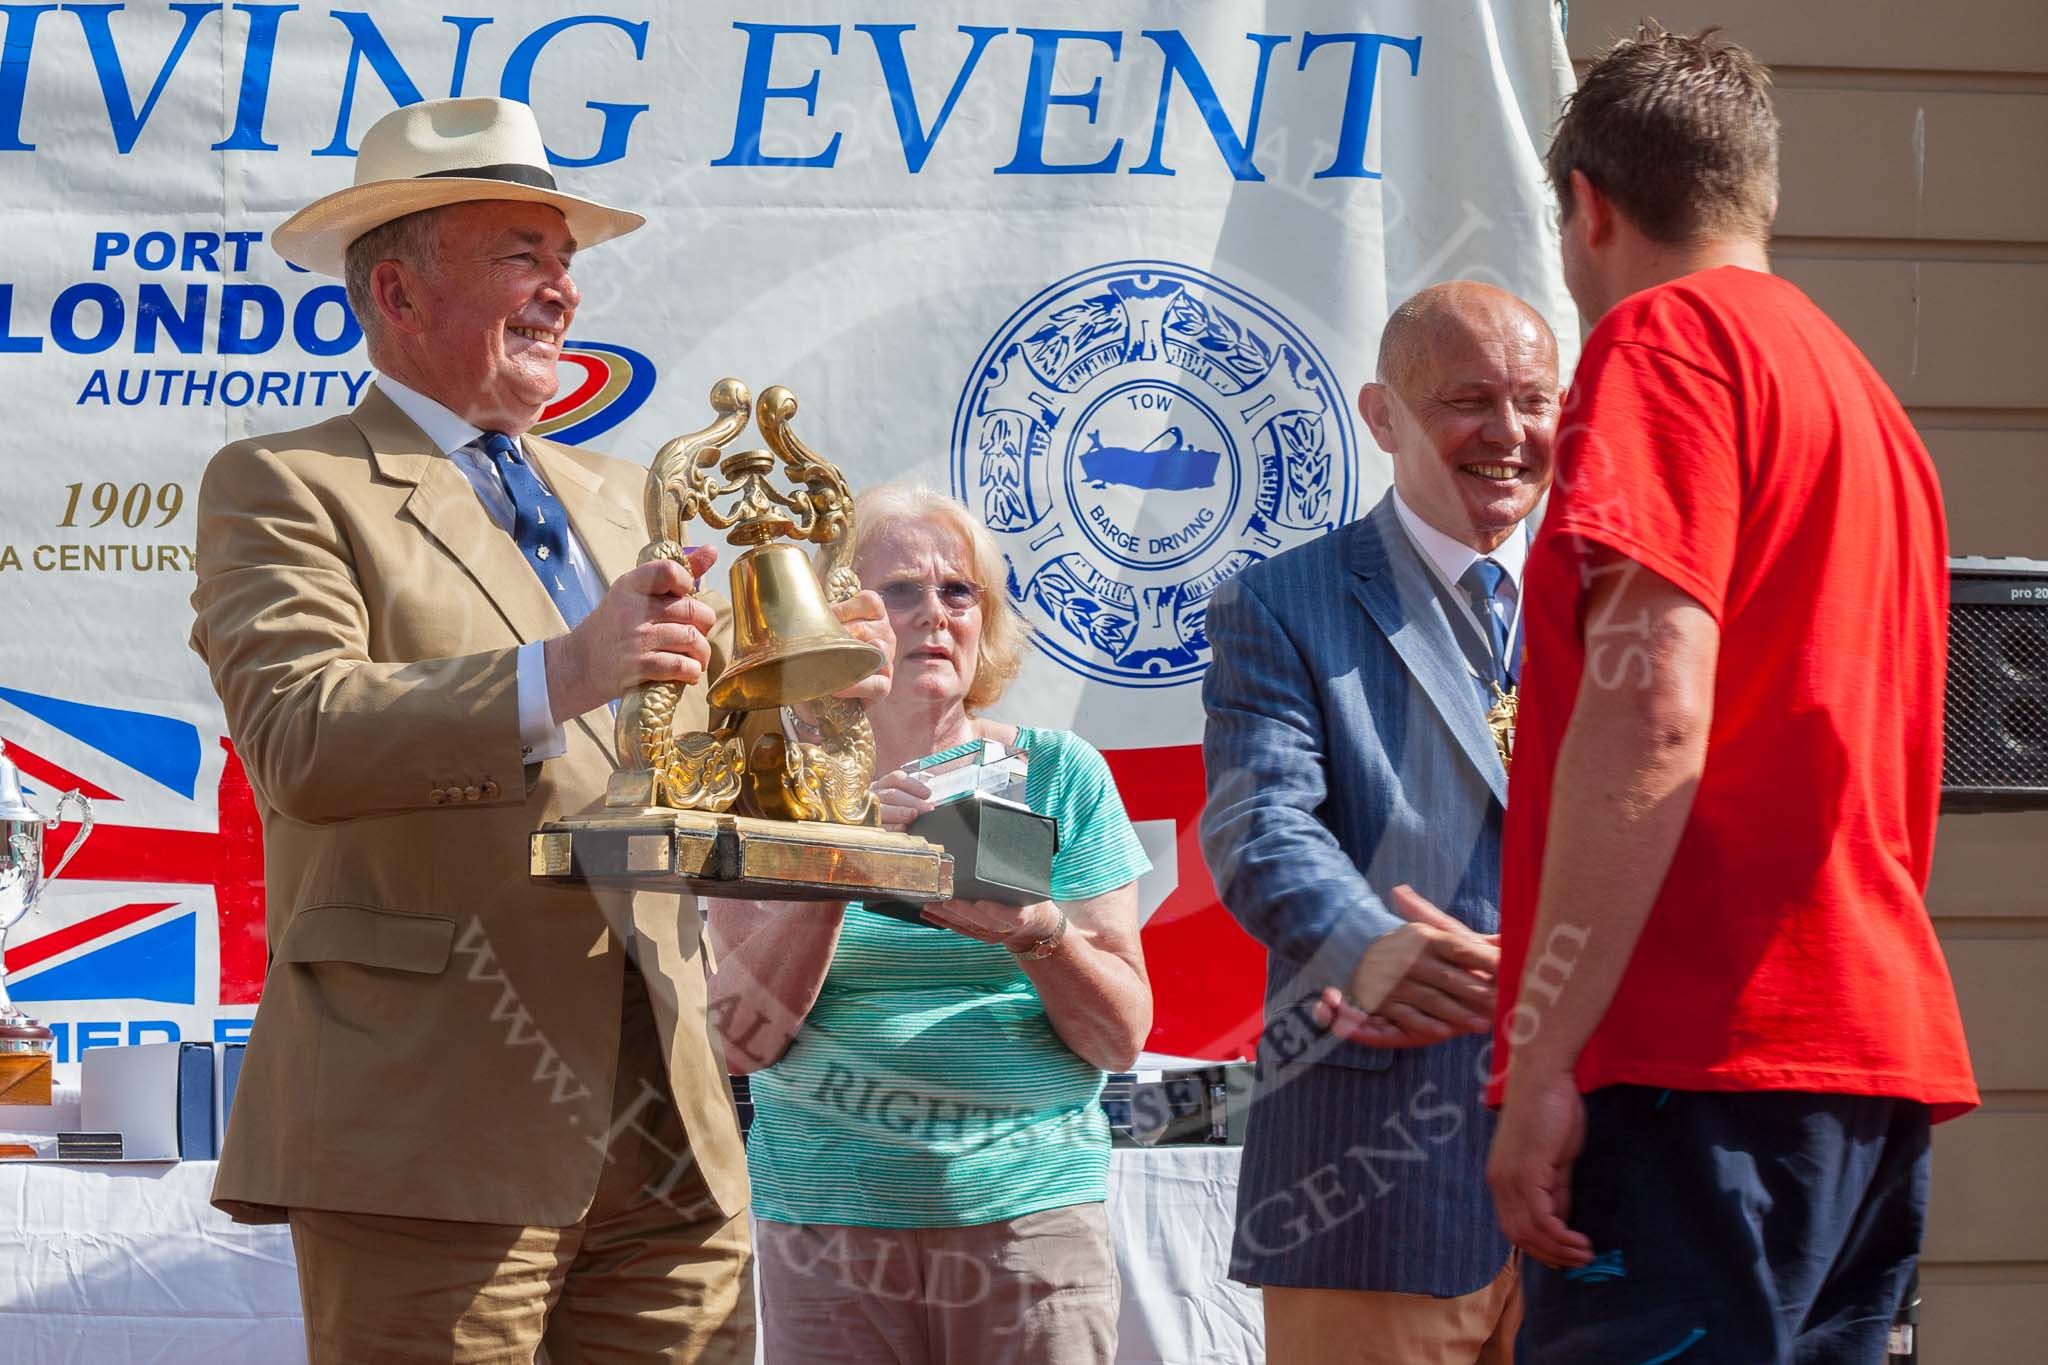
x=956, y=595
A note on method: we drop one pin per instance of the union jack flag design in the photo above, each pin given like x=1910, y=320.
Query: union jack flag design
x=156, y=927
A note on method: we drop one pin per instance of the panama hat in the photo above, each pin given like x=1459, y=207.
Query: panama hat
x=440, y=152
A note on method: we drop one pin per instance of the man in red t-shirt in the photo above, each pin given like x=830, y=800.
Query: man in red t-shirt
x=1724, y=1023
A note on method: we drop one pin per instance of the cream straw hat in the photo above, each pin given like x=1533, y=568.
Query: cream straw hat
x=440, y=152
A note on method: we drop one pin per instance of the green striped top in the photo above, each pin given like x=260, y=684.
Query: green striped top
x=927, y=1087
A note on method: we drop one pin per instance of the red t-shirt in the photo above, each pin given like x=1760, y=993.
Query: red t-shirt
x=1722, y=432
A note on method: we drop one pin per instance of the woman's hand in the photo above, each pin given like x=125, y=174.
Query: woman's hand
x=866, y=619
x=903, y=799
x=1015, y=927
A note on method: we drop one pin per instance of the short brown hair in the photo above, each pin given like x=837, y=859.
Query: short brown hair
x=411, y=238
x=1678, y=131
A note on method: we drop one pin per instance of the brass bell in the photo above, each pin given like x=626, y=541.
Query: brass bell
x=788, y=647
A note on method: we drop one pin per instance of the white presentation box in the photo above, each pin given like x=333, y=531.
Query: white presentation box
x=158, y=1096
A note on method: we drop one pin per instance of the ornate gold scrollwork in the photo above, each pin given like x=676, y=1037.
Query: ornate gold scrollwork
x=699, y=770
x=693, y=479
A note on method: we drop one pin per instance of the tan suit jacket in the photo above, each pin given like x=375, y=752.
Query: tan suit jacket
x=438, y=1034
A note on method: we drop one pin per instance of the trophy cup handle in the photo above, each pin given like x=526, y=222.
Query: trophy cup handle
x=84, y=818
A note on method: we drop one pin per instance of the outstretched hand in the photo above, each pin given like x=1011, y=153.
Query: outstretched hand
x=1423, y=982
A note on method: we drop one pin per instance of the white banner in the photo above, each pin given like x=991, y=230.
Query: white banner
x=1112, y=273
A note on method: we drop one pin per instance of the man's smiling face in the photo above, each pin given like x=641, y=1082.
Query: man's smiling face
x=496, y=302
x=1468, y=410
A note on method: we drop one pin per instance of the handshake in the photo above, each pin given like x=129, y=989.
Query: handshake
x=1430, y=979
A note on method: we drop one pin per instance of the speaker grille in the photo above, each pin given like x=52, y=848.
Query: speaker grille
x=1996, y=714
x=1997, y=710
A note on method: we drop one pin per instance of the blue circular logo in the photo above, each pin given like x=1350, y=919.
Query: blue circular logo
x=1135, y=435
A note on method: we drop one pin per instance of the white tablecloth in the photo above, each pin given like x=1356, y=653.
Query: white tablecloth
x=129, y=1265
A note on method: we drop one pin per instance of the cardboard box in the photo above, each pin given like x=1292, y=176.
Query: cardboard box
x=158, y=1096
x=1002, y=851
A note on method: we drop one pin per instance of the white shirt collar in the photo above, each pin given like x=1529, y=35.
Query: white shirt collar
x=1451, y=557
x=444, y=427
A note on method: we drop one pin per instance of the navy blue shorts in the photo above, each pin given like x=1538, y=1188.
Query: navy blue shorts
x=1751, y=1228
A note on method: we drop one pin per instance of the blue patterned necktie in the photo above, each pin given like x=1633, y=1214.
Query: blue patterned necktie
x=540, y=526
x=1482, y=583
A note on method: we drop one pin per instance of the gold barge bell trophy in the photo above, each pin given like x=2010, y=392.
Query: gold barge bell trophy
x=741, y=810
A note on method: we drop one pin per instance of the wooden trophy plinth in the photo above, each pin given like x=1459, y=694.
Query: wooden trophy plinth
x=25, y=1074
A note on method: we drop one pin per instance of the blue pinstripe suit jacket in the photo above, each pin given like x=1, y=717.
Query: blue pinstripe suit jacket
x=1347, y=753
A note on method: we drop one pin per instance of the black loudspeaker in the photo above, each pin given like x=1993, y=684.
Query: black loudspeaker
x=1995, y=754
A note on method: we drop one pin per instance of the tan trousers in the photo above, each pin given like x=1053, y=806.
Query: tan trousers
x=1364, y=1327
x=652, y=1273
x=1036, y=1290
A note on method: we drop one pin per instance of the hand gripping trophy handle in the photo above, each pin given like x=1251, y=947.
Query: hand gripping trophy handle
x=744, y=808
x=788, y=647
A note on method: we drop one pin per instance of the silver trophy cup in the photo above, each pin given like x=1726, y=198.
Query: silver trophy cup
x=22, y=881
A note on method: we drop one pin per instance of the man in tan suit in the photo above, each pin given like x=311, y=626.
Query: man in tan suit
x=491, y=1111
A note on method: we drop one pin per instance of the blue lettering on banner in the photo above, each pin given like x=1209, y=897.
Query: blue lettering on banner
x=92, y=1033
x=97, y=1033
x=1181, y=62
x=603, y=383
x=64, y=318
x=366, y=41
x=465, y=26
x=1039, y=99
x=755, y=92
x=140, y=1031
x=517, y=83
x=252, y=101
x=9, y=343
x=910, y=130
x=1365, y=68
x=17, y=44
x=234, y=313
x=367, y=46
x=122, y=115
x=154, y=311
x=774, y=115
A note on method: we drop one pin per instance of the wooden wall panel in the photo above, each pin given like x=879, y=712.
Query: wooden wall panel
x=1926, y=35
x=1892, y=163
x=1995, y=484
x=1997, y=979
x=1994, y=866
x=1990, y=1201
x=1942, y=333
x=1966, y=1320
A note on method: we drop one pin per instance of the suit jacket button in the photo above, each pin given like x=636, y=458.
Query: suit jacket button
x=437, y=797
x=470, y=793
x=490, y=790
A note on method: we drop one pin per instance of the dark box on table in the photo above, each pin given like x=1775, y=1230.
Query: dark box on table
x=1002, y=851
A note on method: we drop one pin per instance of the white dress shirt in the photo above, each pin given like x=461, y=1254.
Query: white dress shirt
x=539, y=737
x=1450, y=558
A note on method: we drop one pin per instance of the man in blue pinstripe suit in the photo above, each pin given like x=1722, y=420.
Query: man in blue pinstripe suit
x=1349, y=761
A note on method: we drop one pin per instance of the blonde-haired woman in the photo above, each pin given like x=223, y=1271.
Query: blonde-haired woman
x=928, y=1155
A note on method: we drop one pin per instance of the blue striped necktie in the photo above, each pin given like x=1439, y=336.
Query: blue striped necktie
x=1482, y=583
x=540, y=526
